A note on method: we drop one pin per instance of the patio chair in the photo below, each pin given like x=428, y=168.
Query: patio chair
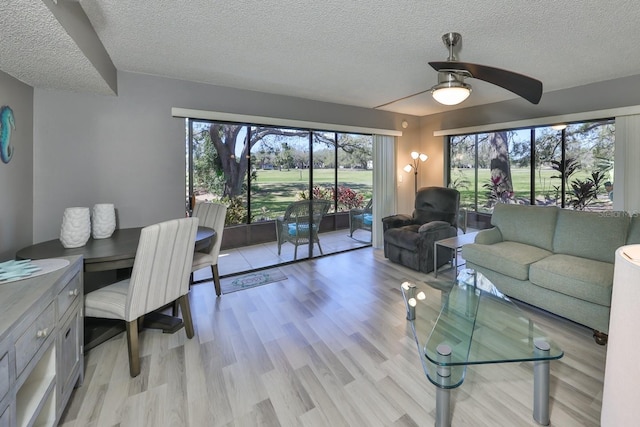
x=360, y=218
x=294, y=227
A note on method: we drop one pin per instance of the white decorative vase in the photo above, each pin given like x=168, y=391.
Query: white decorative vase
x=76, y=227
x=103, y=220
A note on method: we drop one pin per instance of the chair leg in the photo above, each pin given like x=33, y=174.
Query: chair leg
x=175, y=309
x=216, y=279
x=186, y=315
x=134, y=349
x=176, y=305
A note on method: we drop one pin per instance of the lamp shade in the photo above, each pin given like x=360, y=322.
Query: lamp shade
x=450, y=95
x=622, y=373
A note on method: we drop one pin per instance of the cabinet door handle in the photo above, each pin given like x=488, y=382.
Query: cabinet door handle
x=73, y=293
x=42, y=333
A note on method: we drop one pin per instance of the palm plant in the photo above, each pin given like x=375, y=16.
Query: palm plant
x=583, y=192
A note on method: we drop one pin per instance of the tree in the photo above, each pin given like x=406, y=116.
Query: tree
x=357, y=147
x=227, y=138
x=502, y=185
x=204, y=155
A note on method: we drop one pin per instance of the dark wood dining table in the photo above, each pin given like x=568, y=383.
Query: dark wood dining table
x=114, y=253
x=117, y=253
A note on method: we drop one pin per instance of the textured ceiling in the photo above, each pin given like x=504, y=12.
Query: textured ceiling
x=362, y=53
x=36, y=49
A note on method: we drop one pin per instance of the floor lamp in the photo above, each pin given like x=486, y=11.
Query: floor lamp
x=417, y=158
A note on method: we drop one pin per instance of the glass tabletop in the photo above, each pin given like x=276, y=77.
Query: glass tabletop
x=477, y=325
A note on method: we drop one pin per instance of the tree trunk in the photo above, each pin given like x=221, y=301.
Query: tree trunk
x=224, y=139
x=500, y=167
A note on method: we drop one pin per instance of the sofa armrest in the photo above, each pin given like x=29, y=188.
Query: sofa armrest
x=395, y=221
x=489, y=236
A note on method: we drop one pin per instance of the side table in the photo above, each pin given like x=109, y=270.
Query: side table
x=453, y=244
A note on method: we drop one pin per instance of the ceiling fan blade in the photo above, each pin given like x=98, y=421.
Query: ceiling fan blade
x=401, y=99
x=524, y=86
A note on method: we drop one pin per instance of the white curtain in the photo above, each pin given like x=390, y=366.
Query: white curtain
x=384, y=183
x=626, y=172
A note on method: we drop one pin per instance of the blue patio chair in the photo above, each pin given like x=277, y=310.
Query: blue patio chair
x=300, y=223
x=361, y=218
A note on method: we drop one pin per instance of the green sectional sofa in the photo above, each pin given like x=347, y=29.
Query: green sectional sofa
x=556, y=259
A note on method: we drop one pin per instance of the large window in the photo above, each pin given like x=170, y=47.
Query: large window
x=570, y=167
x=259, y=170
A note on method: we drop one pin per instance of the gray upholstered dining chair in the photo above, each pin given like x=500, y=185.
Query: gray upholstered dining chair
x=212, y=215
x=160, y=276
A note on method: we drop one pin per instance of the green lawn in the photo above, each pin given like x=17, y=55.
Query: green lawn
x=274, y=190
x=544, y=184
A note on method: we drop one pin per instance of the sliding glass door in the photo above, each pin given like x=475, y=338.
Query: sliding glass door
x=260, y=171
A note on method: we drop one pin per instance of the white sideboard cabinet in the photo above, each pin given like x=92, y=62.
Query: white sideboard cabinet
x=41, y=337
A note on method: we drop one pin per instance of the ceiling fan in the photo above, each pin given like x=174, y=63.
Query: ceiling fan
x=452, y=89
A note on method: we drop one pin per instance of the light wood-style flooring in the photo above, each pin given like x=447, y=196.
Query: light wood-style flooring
x=329, y=346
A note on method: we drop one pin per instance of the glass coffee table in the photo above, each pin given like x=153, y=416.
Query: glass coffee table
x=477, y=325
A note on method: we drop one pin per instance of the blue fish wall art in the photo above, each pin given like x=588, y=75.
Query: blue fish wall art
x=7, y=124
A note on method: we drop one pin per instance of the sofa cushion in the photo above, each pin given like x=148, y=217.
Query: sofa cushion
x=633, y=237
x=593, y=235
x=581, y=278
x=301, y=226
x=509, y=258
x=532, y=225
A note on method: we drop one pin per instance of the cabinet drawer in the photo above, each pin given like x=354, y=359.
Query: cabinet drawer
x=35, y=335
x=4, y=374
x=69, y=295
x=69, y=352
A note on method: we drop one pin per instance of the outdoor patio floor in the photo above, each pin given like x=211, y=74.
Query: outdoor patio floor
x=247, y=258
x=240, y=260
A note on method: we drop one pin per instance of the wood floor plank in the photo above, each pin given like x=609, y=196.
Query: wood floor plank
x=328, y=346
x=325, y=411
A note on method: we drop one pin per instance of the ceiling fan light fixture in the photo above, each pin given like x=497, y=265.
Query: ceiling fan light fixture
x=451, y=92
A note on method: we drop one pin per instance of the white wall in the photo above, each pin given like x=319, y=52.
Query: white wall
x=16, y=177
x=129, y=151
